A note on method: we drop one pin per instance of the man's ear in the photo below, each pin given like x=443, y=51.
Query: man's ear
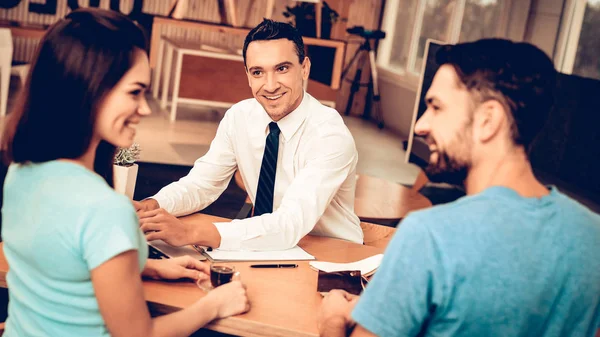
x=489, y=119
x=305, y=68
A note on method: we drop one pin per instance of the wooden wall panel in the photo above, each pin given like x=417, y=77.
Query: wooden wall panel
x=338, y=31
x=361, y=13
x=21, y=13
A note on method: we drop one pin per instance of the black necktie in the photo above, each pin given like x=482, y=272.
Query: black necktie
x=268, y=168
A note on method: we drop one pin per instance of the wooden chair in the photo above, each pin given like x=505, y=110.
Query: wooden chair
x=385, y=202
x=420, y=182
x=6, y=52
x=7, y=69
x=377, y=235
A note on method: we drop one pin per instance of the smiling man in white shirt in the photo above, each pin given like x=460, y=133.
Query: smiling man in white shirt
x=296, y=157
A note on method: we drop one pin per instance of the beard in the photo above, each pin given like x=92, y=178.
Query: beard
x=451, y=168
x=448, y=170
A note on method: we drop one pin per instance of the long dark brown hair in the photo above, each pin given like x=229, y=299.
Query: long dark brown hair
x=79, y=60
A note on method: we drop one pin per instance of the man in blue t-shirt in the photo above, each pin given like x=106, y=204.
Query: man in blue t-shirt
x=513, y=257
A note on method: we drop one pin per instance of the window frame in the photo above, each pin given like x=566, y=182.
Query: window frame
x=405, y=76
x=571, y=24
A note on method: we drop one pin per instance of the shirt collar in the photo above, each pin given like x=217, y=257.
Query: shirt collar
x=290, y=123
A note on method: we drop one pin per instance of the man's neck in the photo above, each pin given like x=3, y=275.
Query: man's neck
x=297, y=103
x=511, y=169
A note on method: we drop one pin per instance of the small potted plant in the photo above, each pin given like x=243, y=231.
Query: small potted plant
x=303, y=17
x=125, y=169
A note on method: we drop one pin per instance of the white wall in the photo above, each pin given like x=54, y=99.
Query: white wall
x=397, y=104
x=537, y=24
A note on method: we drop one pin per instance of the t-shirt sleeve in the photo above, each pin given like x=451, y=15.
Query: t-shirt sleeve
x=406, y=288
x=109, y=230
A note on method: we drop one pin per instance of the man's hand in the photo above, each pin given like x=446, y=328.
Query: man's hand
x=334, y=317
x=145, y=205
x=159, y=224
x=176, y=268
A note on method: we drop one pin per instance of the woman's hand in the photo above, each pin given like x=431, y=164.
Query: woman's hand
x=229, y=299
x=177, y=268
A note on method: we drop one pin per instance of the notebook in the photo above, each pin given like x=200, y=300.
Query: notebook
x=158, y=247
x=349, y=280
x=351, y=277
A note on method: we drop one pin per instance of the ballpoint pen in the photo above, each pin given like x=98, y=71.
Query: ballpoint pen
x=283, y=265
x=198, y=249
x=201, y=250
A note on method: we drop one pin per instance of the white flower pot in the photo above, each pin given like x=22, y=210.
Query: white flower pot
x=125, y=177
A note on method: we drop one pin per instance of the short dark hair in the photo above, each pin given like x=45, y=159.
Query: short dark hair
x=78, y=61
x=275, y=30
x=518, y=75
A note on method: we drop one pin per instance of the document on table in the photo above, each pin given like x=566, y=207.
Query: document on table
x=293, y=254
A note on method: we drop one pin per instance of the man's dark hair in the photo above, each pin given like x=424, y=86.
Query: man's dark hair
x=79, y=61
x=274, y=30
x=518, y=75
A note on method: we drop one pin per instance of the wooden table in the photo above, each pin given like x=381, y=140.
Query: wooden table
x=284, y=301
x=379, y=199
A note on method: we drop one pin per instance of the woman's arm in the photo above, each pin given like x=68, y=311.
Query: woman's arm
x=119, y=292
x=176, y=268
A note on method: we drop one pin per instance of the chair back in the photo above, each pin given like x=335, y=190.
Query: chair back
x=6, y=46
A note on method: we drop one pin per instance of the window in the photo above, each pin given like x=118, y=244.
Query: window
x=436, y=23
x=483, y=18
x=401, y=34
x=577, y=51
x=409, y=23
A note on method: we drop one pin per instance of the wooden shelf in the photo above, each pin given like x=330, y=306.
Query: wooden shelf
x=34, y=32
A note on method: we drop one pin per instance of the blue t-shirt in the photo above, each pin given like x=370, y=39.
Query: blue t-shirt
x=59, y=222
x=492, y=264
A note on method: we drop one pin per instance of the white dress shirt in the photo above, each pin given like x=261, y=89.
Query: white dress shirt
x=314, y=184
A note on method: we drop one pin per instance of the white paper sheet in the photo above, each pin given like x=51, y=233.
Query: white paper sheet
x=292, y=254
x=366, y=266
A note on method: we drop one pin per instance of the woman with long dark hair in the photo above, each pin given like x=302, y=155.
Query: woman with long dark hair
x=73, y=244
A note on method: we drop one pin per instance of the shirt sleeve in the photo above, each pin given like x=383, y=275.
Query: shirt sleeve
x=329, y=160
x=109, y=230
x=406, y=289
x=207, y=179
